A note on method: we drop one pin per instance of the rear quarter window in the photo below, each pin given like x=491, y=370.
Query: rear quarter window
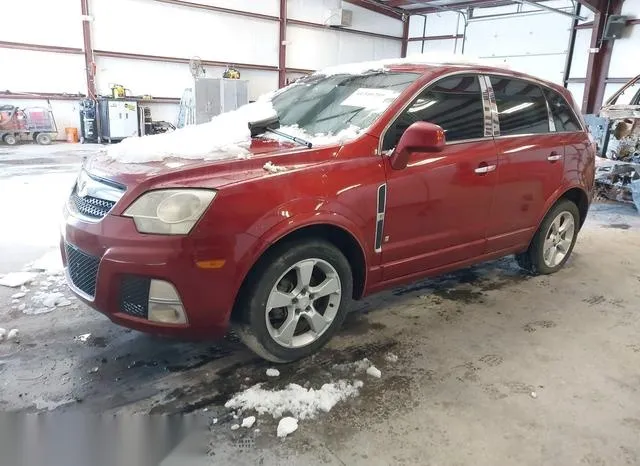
x=563, y=116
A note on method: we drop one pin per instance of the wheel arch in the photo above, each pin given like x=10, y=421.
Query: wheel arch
x=337, y=235
x=580, y=198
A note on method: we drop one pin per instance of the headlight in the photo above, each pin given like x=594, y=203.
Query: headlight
x=169, y=211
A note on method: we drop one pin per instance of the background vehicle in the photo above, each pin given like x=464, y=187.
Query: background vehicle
x=450, y=165
x=34, y=123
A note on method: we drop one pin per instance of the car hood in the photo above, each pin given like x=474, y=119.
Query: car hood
x=225, y=169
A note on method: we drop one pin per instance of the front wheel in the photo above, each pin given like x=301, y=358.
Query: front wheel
x=554, y=241
x=294, y=300
x=10, y=139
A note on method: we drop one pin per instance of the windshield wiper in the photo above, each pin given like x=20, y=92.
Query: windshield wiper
x=270, y=125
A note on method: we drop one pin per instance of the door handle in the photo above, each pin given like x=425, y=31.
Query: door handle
x=484, y=168
x=554, y=157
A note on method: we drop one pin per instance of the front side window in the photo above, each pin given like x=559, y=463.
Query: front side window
x=563, y=116
x=454, y=103
x=522, y=108
x=329, y=104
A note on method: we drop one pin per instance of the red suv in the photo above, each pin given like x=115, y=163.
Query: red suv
x=445, y=166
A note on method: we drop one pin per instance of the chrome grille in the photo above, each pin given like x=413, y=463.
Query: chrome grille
x=83, y=269
x=92, y=197
x=90, y=206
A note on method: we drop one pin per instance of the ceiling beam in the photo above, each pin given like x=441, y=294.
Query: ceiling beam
x=460, y=6
x=377, y=7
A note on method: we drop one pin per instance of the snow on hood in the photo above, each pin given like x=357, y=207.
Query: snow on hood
x=318, y=139
x=433, y=58
x=226, y=136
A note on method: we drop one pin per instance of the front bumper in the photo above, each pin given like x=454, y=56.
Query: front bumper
x=123, y=256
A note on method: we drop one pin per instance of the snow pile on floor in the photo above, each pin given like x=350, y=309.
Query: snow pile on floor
x=16, y=279
x=390, y=357
x=50, y=263
x=300, y=402
x=432, y=58
x=13, y=334
x=226, y=136
x=286, y=426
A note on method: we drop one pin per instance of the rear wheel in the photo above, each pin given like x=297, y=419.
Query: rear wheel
x=10, y=139
x=294, y=300
x=554, y=241
x=44, y=139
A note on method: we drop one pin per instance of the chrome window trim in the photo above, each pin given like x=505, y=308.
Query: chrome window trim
x=383, y=133
x=495, y=121
x=552, y=123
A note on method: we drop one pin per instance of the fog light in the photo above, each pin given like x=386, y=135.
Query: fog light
x=164, y=304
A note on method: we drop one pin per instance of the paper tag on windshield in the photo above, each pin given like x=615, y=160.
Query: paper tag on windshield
x=370, y=98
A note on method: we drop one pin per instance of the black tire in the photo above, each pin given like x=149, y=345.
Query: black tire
x=250, y=320
x=10, y=139
x=44, y=139
x=532, y=259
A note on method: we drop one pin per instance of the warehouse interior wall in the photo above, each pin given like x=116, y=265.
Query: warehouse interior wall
x=167, y=35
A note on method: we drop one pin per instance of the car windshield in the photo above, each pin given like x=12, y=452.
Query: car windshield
x=329, y=104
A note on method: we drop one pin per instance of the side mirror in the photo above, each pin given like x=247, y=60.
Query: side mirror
x=419, y=137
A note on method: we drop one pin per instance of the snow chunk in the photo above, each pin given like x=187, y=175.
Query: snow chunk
x=390, y=357
x=417, y=59
x=3, y=333
x=271, y=372
x=50, y=263
x=295, y=399
x=82, y=338
x=286, y=426
x=226, y=136
x=16, y=279
x=235, y=427
x=373, y=371
x=19, y=295
x=362, y=365
x=319, y=139
x=51, y=299
x=22, y=307
x=271, y=168
x=13, y=334
x=248, y=422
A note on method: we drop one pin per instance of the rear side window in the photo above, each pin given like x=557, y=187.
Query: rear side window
x=522, y=108
x=454, y=103
x=563, y=116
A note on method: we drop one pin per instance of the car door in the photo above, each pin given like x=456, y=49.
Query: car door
x=530, y=161
x=437, y=208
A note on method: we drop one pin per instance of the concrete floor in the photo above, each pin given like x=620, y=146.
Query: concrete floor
x=473, y=347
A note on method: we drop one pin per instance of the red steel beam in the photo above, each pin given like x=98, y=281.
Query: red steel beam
x=90, y=66
x=598, y=64
x=282, y=46
x=405, y=37
x=39, y=48
x=202, y=6
x=139, y=56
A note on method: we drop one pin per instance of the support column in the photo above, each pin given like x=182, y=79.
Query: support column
x=282, y=55
x=405, y=36
x=88, y=50
x=598, y=65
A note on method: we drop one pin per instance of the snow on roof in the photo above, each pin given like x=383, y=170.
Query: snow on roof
x=419, y=59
